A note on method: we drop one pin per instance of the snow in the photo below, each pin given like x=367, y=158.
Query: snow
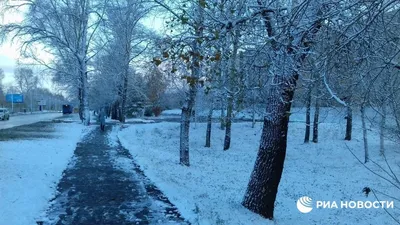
x=139, y=120
x=27, y=119
x=30, y=171
x=210, y=191
x=171, y=112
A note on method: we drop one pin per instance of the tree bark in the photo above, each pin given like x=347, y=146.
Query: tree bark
x=114, y=110
x=230, y=97
x=253, y=113
x=222, y=117
x=382, y=127
x=316, y=119
x=209, y=127
x=191, y=96
x=82, y=57
x=228, y=124
x=264, y=181
x=185, y=126
x=349, y=123
x=308, y=119
x=365, y=137
x=263, y=185
x=124, y=93
x=80, y=103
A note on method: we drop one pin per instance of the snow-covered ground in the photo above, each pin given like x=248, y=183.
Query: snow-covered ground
x=172, y=112
x=138, y=120
x=30, y=171
x=210, y=191
x=20, y=120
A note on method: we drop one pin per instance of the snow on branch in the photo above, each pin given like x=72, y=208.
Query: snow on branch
x=395, y=65
x=333, y=95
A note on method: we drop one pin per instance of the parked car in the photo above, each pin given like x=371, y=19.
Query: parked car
x=4, y=114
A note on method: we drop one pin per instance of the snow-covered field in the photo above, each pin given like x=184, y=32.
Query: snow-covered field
x=30, y=171
x=209, y=192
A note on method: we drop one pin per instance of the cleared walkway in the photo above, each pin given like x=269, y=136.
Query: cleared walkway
x=95, y=190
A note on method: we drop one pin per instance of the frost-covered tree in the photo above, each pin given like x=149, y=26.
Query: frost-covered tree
x=292, y=30
x=52, y=26
x=127, y=40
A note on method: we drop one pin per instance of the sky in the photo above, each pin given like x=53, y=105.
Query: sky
x=9, y=52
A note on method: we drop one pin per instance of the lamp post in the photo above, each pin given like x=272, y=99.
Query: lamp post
x=12, y=102
x=31, y=101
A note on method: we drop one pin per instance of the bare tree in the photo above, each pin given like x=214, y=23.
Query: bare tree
x=59, y=26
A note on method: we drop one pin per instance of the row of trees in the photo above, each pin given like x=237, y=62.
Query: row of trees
x=242, y=53
x=27, y=83
x=338, y=53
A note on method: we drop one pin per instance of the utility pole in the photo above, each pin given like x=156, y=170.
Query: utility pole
x=12, y=102
x=31, y=101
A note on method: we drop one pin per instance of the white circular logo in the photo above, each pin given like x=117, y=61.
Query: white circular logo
x=304, y=204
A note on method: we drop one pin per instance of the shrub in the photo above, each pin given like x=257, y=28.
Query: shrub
x=157, y=110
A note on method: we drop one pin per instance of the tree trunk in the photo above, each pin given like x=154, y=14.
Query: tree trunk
x=222, y=117
x=191, y=96
x=308, y=119
x=80, y=103
x=86, y=111
x=82, y=56
x=264, y=181
x=253, y=113
x=349, y=123
x=263, y=185
x=316, y=120
x=396, y=116
x=382, y=130
x=124, y=93
x=365, y=137
x=185, y=126
x=209, y=126
x=230, y=97
x=229, y=110
x=114, y=110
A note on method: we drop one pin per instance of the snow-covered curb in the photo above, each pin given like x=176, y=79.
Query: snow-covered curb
x=30, y=171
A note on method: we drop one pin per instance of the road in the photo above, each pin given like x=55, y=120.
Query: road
x=19, y=120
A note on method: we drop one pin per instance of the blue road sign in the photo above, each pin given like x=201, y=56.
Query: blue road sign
x=15, y=98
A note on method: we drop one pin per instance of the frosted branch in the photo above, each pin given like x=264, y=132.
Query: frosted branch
x=333, y=95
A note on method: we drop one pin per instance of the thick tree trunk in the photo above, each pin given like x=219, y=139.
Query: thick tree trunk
x=349, y=123
x=86, y=111
x=185, y=125
x=316, y=120
x=114, y=110
x=82, y=56
x=264, y=181
x=209, y=127
x=80, y=103
x=365, y=137
x=308, y=119
x=382, y=130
